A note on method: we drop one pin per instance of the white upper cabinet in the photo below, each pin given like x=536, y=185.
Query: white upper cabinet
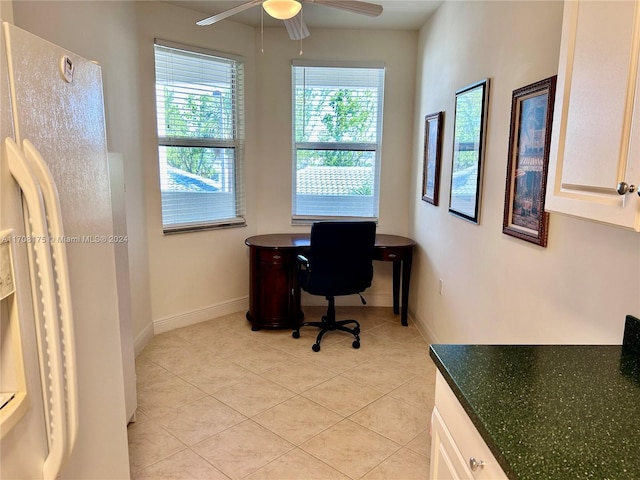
x=595, y=142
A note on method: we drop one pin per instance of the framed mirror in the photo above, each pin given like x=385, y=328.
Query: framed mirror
x=472, y=104
x=431, y=160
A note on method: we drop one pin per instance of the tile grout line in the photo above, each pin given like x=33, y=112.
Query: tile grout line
x=277, y=346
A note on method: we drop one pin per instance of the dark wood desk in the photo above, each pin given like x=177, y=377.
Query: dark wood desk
x=274, y=296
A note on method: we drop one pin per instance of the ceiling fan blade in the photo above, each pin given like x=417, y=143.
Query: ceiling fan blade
x=227, y=13
x=363, y=8
x=296, y=28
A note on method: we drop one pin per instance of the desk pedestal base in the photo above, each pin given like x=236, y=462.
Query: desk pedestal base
x=274, y=297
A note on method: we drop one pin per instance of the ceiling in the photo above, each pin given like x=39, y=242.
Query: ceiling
x=397, y=14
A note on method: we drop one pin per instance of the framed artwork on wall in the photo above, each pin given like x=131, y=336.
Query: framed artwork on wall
x=528, y=162
x=432, y=152
x=470, y=123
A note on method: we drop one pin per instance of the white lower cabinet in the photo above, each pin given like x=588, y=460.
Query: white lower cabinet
x=457, y=449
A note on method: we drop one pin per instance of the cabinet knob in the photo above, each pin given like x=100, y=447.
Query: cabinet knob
x=475, y=464
x=624, y=188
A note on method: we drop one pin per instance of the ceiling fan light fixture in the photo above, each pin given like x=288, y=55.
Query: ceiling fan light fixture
x=282, y=9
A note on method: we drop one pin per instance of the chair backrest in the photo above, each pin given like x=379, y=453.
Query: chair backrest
x=341, y=257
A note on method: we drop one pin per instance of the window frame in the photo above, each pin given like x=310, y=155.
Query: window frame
x=236, y=144
x=375, y=147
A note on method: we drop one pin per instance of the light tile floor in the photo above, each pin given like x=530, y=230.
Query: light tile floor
x=218, y=401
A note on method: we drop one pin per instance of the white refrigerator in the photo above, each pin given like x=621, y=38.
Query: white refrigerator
x=62, y=392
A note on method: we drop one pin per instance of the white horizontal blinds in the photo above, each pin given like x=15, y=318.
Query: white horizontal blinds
x=337, y=122
x=199, y=104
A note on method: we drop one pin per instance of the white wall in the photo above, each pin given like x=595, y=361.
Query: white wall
x=6, y=10
x=397, y=49
x=496, y=288
x=499, y=289
x=184, y=278
x=201, y=275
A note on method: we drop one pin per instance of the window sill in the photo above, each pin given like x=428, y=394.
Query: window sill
x=311, y=220
x=199, y=228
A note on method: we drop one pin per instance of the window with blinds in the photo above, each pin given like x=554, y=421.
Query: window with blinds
x=199, y=107
x=337, y=134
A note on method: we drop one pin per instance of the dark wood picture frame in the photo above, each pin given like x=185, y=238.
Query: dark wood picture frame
x=470, y=125
x=528, y=162
x=432, y=157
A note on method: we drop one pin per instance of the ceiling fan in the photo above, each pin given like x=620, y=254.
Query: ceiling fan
x=289, y=11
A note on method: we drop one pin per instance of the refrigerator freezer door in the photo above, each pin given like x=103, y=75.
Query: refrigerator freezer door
x=16, y=461
x=65, y=122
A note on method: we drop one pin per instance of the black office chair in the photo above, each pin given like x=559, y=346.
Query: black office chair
x=339, y=262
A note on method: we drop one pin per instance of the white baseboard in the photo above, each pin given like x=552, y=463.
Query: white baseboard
x=242, y=304
x=201, y=315
x=421, y=325
x=142, y=339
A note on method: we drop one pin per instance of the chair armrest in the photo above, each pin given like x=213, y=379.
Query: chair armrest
x=303, y=260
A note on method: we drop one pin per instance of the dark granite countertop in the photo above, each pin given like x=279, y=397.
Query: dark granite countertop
x=552, y=411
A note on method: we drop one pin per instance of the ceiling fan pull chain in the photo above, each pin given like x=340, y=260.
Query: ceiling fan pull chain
x=262, y=30
x=301, y=32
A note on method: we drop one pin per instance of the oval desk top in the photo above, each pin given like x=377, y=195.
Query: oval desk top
x=296, y=240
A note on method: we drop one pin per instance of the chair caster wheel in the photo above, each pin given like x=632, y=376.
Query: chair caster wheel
x=315, y=347
x=355, y=344
x=295, y=334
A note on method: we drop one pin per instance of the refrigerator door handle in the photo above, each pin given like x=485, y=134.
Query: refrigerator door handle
x=61, y=268
x=37, y=230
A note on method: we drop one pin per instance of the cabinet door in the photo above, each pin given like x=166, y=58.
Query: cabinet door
x=276, y=288
x=595, y=137
x=274, y=295
x=458, y=441
x=446, y=460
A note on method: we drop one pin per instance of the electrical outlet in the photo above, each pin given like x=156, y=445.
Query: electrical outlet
x=441, y=286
